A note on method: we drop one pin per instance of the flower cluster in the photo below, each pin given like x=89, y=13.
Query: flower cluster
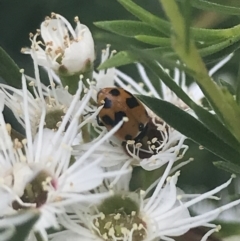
x=73, y=173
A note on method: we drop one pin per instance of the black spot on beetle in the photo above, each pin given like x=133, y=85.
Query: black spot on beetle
x=107, y=120
x=140, y=126
x=114, y=92
x=119, y=116
x=128, y=137
x=107, y=103
x=132, y=102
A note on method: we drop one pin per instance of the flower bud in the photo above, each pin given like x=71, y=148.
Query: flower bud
x=67, y=51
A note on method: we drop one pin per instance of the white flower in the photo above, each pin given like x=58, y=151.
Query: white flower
x=135, y=216
x=54, y=100
x=38, y=172
x=67, y=51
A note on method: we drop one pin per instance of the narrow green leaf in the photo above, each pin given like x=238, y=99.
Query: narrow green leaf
x=128, y=28
x=215, y=7
x=227, y=166
x=116, y=40
x=158, y=41
x=9, y=71
x=190, y=127
x=22, y=230
x=216, y=57
x=222, y=102
x=223, y=47
x=147, y=17
x=206, y=35
x=214, y=48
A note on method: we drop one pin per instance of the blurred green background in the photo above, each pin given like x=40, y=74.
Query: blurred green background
x=18, y=18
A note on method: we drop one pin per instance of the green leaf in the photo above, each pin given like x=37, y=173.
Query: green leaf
x=22, y=230
x=216, y=57
x=214, y=7
x=227, y=166
x=190, y=127
x=116, y=40
x=9, y=71
x=127, y=28
x=214, y=48
x=157, y=23
x=158, y=41
x=223, y=47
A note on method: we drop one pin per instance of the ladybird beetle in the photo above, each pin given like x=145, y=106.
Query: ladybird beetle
x=118, y=103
